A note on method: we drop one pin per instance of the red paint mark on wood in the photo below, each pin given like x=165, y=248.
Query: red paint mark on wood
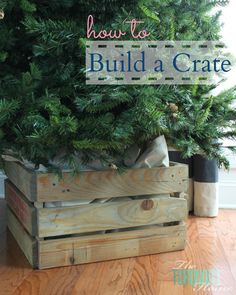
x=19, y=207
x=62, y=183
x=77, y=180
x=44, y=180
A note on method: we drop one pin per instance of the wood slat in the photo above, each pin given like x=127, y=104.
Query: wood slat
x=27, y=244
x=104, y=184
x=47, y=187
x=111, y=215
x=23, y=178
x=24, y=210
x=138, y=217
x=79, y=250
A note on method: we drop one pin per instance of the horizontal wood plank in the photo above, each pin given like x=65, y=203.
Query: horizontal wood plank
x=80, y=250
x=106, y=184
x=22, y=208
x=110, y=215
x=47, y=187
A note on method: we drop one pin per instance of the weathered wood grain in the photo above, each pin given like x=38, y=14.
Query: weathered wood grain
x=111, y=215
x=27, y=244
x=80, y=250
x=23, y=178
x=23, y=209
x=133, y=215
x=85, y=249
x=106, y=184
x=47, y=187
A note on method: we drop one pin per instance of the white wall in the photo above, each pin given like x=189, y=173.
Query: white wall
x=227, y=32
x=227, y=185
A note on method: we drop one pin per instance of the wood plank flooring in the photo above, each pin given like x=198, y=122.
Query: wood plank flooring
x=211, y=244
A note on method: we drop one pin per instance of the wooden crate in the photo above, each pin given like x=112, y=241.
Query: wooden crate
x=104, y=228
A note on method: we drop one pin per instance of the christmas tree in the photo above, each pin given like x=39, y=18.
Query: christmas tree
x=46, y=108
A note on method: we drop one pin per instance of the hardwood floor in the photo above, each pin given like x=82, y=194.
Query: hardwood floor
x=211, y=245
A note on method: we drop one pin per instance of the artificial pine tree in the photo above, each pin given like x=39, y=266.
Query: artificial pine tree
x=46, y=109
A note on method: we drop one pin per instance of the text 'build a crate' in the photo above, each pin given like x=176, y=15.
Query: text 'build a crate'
x=96, y=215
